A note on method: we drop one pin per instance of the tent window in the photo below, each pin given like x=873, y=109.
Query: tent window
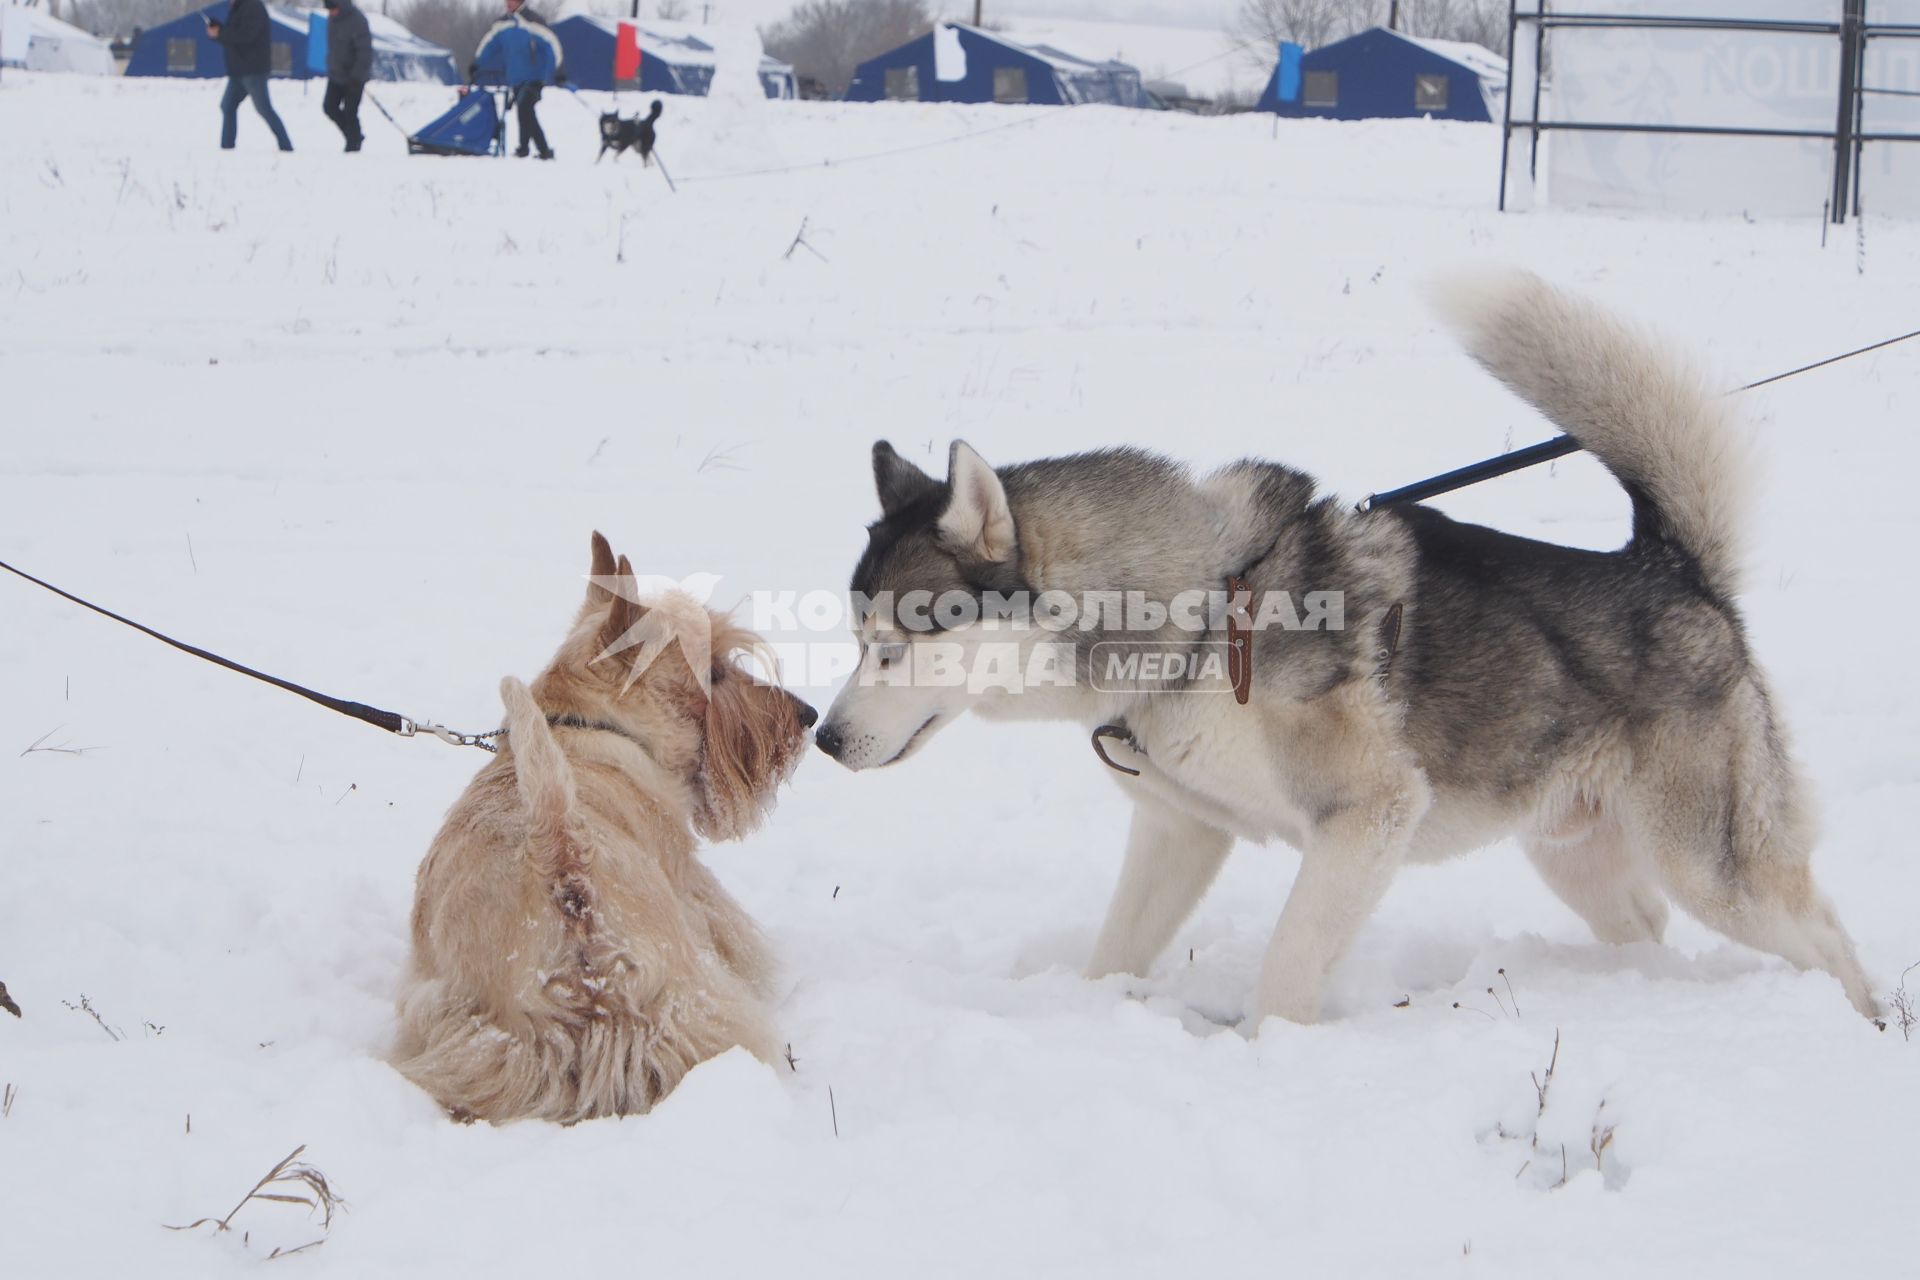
x=1321, y=89
x=1009, y=84
x=282, y=58
x=903, y=84
x=183, y=55
x=1430, y=93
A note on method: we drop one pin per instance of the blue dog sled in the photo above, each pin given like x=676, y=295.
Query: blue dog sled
x=475, y=126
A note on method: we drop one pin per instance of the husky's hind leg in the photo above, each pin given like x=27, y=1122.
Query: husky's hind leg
x=1171, y=859
x=1721, y=815
x=1588, y=863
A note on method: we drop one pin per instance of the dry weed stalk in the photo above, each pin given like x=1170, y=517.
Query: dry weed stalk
x=287, y=1173
x=1599, y=1134
x=1498, y=1003
x=1510, y=995
x=60, y=749
x=86, y=1006
x=1602, y=1137
x=1540, y=1086
x=800, y=241
x=1904, y=1010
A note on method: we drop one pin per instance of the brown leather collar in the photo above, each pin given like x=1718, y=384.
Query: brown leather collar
x=1240, y=638
x=1389, y=639
x=1239, y=671
x=1124, y=734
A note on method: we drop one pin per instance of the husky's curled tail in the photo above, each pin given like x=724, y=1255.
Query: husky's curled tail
x=1705, y=790
x=1670, y=439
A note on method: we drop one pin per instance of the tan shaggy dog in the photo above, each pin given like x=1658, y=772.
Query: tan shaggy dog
x=571, y=956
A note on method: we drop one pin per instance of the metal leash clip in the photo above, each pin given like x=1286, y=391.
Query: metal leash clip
x=409, y=728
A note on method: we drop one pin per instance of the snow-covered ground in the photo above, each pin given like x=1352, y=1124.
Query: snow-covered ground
x=351, y=418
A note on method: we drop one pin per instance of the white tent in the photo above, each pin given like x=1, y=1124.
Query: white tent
x=52, y=45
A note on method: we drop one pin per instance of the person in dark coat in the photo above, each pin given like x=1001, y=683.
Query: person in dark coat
x=521, y=50
x=246, y=40
x=349, y=67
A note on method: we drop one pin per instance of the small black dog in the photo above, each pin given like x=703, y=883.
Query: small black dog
x=617, y=133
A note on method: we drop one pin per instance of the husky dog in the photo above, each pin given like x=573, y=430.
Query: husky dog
x=618, y=132
x=1602, y=708
x=571, y=957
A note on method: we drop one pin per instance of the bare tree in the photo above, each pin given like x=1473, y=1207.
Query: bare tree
x=123, y=17
x=1262, y=24
x=455, y=24
x=1481, y=22
x=826, y=39
x=665, y=10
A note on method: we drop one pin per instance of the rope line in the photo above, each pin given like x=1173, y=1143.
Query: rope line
x=1561, y=446
x=831, y=162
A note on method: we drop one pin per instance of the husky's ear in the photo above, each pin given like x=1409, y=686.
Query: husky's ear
x=626, y=611
x=900, y=483
x=599, y=571
x=977, y=519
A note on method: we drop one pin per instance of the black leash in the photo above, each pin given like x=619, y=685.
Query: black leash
x=391, y=721
x=1561, y=446
x=661, y=162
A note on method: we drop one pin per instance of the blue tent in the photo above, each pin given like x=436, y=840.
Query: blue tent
x=1382, y=73
x=955, y=63
x=183, y=48
x=675, y=57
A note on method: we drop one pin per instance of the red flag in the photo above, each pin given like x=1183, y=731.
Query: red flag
x=626, y=53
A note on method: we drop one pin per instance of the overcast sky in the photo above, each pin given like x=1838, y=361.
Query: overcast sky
x=1211, y=14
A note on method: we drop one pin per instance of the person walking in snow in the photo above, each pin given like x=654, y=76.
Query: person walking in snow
x=349, y=67
x=522, y=50
x=246, y=40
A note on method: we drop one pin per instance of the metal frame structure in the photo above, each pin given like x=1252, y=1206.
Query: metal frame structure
x=1848, y=135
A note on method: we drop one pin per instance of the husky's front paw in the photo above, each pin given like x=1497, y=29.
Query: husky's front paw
x=1108, y=964
x=1292, y=1001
